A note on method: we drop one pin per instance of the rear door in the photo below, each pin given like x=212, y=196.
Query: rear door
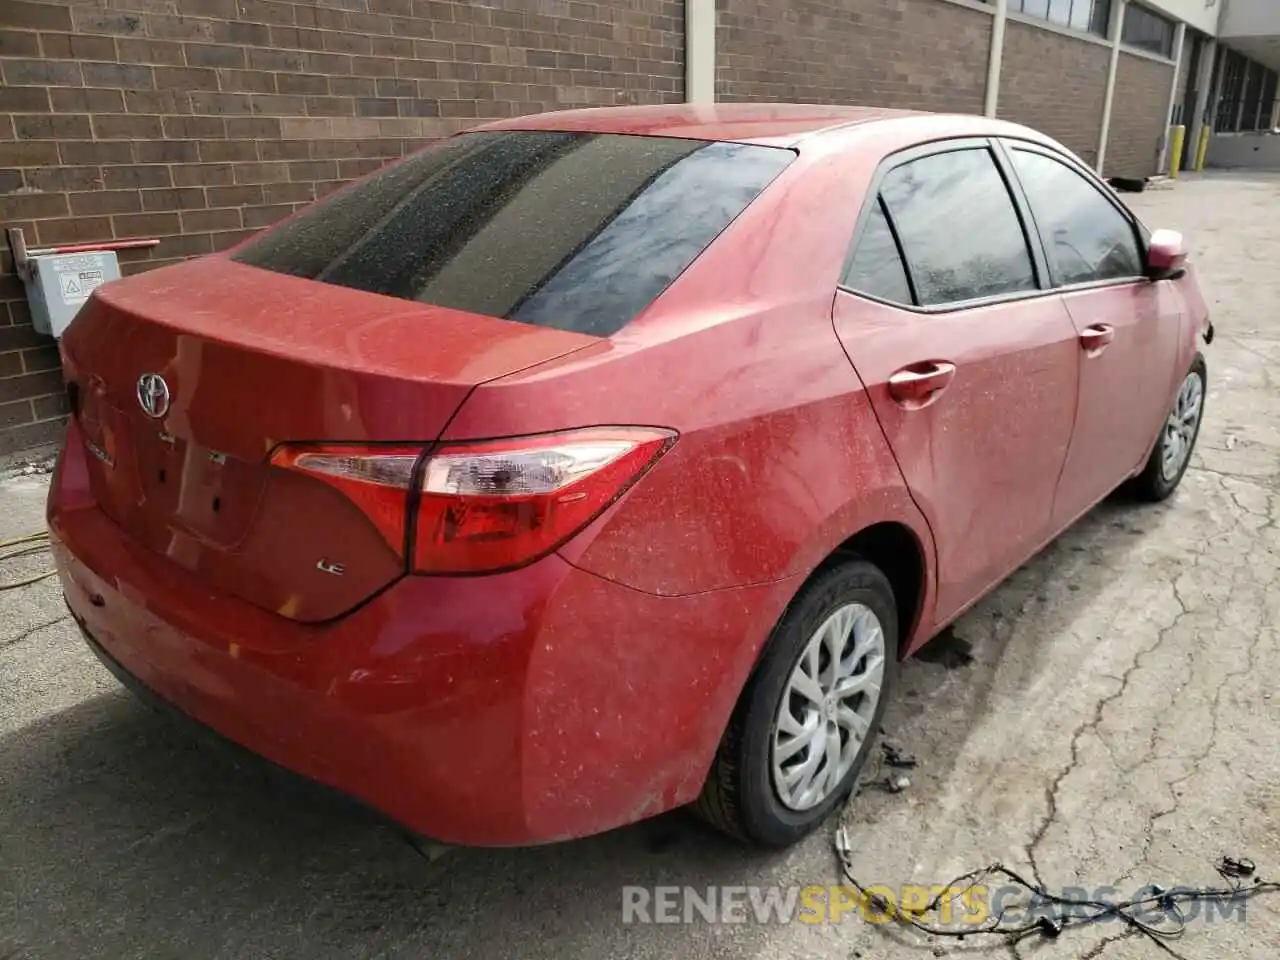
x=970, y=364
x=1129, y=328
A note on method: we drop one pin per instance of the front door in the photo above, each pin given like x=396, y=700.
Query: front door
x=970, y=366
x=1128, y=332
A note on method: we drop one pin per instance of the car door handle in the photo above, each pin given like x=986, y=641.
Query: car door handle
x=1097, y=338
x=920, y=383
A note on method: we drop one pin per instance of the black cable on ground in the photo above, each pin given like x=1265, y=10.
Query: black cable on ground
x=24, y=546
x=1240, y=874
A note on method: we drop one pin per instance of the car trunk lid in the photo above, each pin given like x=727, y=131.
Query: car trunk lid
x=185, y=380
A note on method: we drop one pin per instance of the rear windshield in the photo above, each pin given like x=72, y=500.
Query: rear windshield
x=568, y=230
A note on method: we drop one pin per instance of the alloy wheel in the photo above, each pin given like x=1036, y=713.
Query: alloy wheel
x=828, y=706
x=1180, y=428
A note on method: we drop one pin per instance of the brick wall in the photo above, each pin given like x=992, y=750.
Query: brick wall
x=199, y=121
x=919, y=54
x=1138, y=116
x=1056, y=84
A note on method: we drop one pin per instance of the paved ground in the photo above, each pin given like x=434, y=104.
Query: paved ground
x=1116, y=726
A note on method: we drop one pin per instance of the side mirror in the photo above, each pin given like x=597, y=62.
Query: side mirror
x=1166, y=256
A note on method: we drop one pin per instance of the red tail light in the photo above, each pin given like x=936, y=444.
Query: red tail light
x=375, y=479
x=490, y=505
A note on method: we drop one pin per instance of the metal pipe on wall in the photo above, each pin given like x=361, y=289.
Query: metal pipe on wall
x=700, y=51
x=995, y=58
x=1116, y=29
x=1209, y=97
x=1179, y=44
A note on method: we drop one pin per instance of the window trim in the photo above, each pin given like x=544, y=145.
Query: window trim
x=902, y=250
x=872, y=198
x=1006, y=146
x=865, y=217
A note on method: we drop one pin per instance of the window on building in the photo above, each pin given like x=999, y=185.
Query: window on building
x=877, y=268
x=1230, y=91
x=1266, y=108
x=1252, y=97
x=1091, y=16
x=1259, y=98
x=1147, y=30
x=1086, y=238
x=960, y=232
x=1246, y=95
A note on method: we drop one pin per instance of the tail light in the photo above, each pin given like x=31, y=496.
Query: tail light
x=377, y=480
x=484, y=506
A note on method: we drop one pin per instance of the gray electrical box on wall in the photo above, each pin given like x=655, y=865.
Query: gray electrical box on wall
x=58, y=284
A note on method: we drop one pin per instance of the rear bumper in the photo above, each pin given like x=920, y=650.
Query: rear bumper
x=207, y=735
x=527, y=707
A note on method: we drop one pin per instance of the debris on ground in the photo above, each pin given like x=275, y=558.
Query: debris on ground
x=1159, y=916
x=30, y=467
x=894, y=783
x=1128, y=184
x=896, y=757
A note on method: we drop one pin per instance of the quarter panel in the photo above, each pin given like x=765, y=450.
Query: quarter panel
x=627, y=698
x=752, y=500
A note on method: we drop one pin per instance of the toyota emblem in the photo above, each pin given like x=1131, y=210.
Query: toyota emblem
x=153, y=395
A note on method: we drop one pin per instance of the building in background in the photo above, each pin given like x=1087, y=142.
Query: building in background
x=199, y=121
x=1246, y=110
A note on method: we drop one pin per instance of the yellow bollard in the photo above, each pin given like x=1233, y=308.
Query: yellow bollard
x=1177, y=137
x=1202, y=150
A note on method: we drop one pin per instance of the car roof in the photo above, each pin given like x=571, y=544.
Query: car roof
x=775, y=124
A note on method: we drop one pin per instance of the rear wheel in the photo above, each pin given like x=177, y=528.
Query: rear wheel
x=1172, y=453
x=807, y=719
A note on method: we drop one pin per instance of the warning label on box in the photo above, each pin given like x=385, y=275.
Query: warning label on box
x=77, y=286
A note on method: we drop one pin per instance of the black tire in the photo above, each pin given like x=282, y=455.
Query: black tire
x=739, y=797
x=1152, y=485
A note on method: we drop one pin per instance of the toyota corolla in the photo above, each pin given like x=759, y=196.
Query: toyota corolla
x=586, y=465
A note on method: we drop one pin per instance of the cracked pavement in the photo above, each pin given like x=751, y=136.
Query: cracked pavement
x=1117, y=725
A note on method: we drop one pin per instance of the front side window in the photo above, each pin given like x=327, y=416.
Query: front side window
x=877, y=269
x=960, y=231
x=1086, y=238
x=574, y=231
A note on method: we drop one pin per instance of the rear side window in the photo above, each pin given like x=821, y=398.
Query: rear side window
x=877, y=268
x=1086, y=238
x=568, y=230
x=960, y=231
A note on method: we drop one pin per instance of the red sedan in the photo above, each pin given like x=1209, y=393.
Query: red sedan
x=590, y=464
